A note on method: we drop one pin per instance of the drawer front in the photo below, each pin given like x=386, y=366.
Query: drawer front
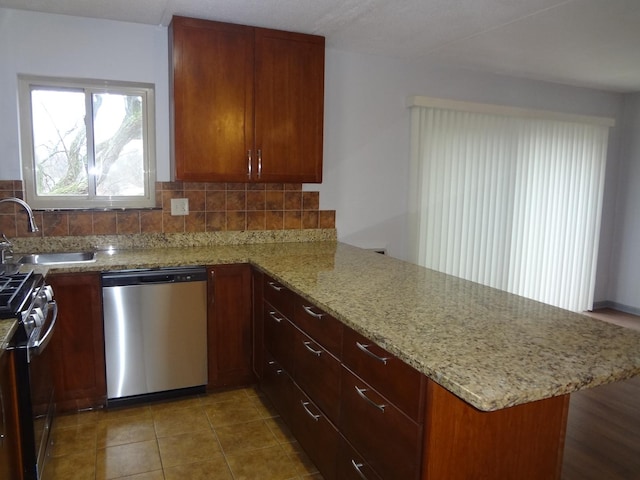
x=278, y=387
x=386, y=437
x=315, y=433
x=396, y=380
x=351, y=465
x=318, y=374
x=278, y=336
x=319, y=325
x=278, y=295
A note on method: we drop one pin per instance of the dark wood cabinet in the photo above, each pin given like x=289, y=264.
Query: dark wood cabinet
x=388, y=439
x=10, y=468
x=247, y=103
x=315, y=433
x=78, y=343
x=229, y=341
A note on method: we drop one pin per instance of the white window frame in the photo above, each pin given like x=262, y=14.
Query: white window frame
x=90, y=201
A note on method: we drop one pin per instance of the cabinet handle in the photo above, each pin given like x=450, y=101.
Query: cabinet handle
x=309, y=412
x=276, y=318
x=379, y=406
x=308, y=347
x=278, y=370
x=357, y=467
x=249, y=163
x=259, y=163
x=365, y=349
x=311, y=312
x=275, y=286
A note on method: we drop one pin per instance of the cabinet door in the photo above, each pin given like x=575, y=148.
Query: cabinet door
x=258, y=323
x=289, y=106
x=229, y=325
x=315, y=433
x=78, y=342
x=10, y=467
x=212, y=110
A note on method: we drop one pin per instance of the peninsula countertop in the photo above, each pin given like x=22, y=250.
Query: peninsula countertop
x=491, y=348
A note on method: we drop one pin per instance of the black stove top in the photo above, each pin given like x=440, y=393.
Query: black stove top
x=14, y=290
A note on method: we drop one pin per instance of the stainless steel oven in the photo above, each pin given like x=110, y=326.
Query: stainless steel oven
x=27, y=298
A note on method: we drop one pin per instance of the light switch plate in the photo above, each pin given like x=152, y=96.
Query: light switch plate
x=179, y=206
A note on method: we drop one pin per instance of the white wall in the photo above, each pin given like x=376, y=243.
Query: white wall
x=64, y=46
x=366, y=123
x=624, y=288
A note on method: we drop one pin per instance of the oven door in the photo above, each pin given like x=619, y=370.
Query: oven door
x=36, y=404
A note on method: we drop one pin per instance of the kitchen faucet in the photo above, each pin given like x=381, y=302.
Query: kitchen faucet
x=32, y=222
x=6, y=250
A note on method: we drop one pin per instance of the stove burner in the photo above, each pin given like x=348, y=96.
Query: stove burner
x=14, y=289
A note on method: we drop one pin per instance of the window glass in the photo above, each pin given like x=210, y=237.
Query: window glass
x=87, y=144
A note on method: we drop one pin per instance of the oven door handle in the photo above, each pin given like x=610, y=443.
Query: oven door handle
x=41, y=344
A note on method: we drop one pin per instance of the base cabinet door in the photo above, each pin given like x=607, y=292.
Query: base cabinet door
x=389, y=440
x=315, y=433
x=78, y=343
x=229, y=341
x=277, y=385
x=351, y=465
x=10, y=467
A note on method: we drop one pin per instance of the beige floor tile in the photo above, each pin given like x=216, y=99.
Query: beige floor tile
x=231, y=412
x=183, y=420
x=155, y=475
x=239, y=394
x=303, y=463
x=129, y=459
x=245, y=436
x=74, y=419
x=75, y=439
x=280, y=430
x=271, y=463
x=125, y=430
x=214, y=469
x=264, y=406
x=110, y=414
x=78, y=466
x=160, y=408
x=188, y=448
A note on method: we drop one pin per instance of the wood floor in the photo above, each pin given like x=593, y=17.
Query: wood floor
x=603, y=430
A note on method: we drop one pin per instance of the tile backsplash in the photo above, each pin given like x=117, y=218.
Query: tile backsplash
x=213, y=207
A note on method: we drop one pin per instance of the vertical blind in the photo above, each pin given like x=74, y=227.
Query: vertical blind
x=509, y=201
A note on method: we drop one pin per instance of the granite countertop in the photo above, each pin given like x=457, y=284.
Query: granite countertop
x=491, y=348
x=7, y=327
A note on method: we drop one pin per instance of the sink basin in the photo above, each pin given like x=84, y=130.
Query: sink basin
x=58, y=257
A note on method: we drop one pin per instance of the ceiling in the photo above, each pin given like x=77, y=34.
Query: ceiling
x=590, y=43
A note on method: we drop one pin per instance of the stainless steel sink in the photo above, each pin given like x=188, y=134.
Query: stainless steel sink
x=57, y=258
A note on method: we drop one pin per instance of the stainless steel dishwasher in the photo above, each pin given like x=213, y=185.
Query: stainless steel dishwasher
x=155, y=326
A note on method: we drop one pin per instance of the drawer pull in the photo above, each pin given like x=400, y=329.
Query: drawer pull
x=357, y=466
x=361, y=391
x=275, y=317
x=311, y=312
x=365, y=349
x=276, y=287
x=309, y=412
x=307, y=345
x=278, y=370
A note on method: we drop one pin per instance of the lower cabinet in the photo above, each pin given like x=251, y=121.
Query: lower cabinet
x=347, y=427
x=229, y=341
x=78, y=342
x=10, y=468
x=315, y=434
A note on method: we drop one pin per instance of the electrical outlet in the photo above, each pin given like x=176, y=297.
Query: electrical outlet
x=179, y=206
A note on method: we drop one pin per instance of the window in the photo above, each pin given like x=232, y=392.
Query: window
x=87, y=144
x=509, y=198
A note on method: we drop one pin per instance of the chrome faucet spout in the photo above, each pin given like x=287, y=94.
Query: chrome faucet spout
x=32, y=222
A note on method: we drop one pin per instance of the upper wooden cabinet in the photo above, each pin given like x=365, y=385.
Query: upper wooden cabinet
x=247, y=103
